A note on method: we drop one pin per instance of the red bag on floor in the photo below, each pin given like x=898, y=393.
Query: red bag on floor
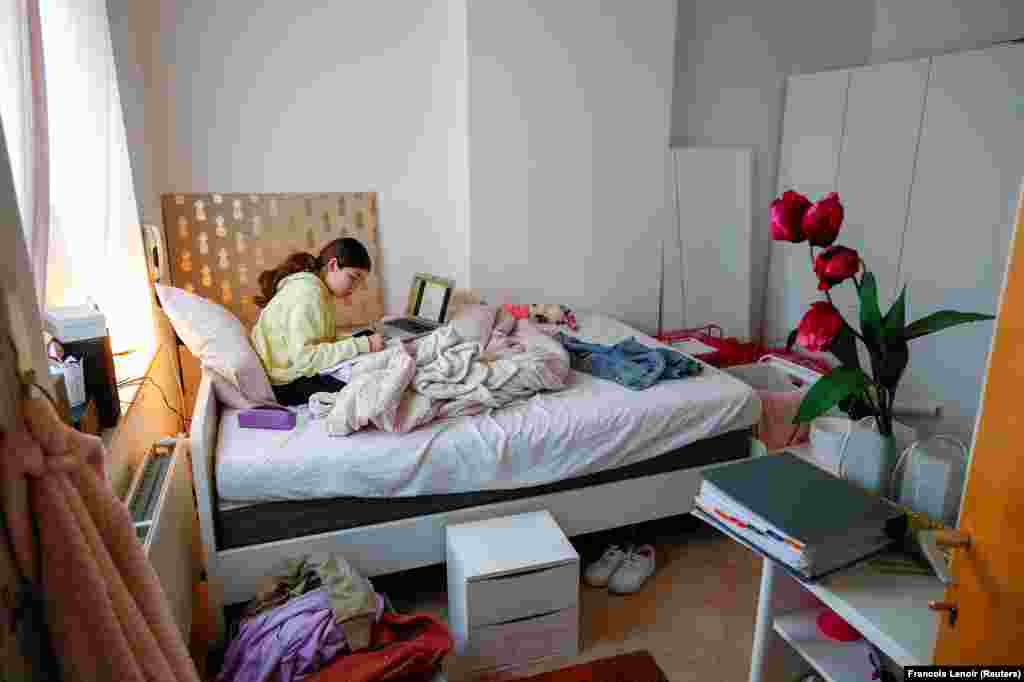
x=403, y=648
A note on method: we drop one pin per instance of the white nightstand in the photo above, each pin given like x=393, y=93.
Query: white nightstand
x=513, y=591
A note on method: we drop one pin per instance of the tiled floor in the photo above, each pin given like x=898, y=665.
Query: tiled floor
x=695, y=615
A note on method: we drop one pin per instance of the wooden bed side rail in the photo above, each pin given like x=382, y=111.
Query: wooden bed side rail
x=203, y=445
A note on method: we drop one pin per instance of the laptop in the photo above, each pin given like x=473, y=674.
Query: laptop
x=425, y=311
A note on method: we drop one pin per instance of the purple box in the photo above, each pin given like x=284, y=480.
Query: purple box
x=275, y=418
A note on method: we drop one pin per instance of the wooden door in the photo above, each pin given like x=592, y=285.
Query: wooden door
x=989, y=588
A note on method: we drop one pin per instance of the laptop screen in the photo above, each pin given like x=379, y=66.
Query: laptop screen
x=432, y=296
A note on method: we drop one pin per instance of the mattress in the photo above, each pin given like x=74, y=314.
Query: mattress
x=592, y=426
x=243, y=526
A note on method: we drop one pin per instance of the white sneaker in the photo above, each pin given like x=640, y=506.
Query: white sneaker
x=634, y=571
x=598, y=573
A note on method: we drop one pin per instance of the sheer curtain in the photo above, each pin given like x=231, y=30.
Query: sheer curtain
x=24, y=116
x=95, y=239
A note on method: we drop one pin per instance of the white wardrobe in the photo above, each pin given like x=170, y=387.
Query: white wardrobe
x=927, y=156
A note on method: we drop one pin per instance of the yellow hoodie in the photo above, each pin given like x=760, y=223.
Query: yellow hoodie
x=296, y=334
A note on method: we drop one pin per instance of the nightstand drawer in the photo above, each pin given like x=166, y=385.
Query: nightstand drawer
x=553, y=634
x=521, y=595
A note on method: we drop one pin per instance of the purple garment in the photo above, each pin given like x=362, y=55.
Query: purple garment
x=286, y=644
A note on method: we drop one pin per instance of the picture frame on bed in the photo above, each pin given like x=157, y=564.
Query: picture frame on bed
x=429, y=297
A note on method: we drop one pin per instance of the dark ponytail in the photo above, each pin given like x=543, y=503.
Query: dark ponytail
x=349, y=252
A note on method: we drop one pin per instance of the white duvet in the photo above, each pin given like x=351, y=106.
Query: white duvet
x=443, y=375
x=589, y=426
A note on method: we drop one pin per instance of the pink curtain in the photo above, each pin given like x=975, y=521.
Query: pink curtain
x=106, y=612
x=23, y=108
x=39, y=154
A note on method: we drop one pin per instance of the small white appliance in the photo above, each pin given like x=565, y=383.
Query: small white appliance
x=82, y=332
x=76, y=323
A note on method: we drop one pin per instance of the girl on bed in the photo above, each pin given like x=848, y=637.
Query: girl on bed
x=296, y=336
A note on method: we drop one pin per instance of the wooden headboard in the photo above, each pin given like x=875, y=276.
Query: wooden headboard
x=218, y=244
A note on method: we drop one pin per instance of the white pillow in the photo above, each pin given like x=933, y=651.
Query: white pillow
x=219, y=340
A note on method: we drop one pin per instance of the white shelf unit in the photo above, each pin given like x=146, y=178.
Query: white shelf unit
x=890, y=610
x=835, y=661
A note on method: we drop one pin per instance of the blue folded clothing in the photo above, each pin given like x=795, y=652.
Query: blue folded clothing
x=628, y=362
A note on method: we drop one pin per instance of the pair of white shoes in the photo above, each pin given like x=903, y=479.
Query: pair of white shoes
x=622, y=572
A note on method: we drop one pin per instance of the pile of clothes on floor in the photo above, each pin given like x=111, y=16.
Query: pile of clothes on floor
x=321, y=621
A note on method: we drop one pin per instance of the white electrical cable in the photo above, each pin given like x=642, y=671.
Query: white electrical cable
x=846, y=439
x=905, y=455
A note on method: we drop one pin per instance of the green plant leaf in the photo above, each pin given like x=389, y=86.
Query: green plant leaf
x=844, y=347
x=896, y=319
x=870, y=315
x=856, y=407
x=892, y=363
x=791, y=339
x=829, y=391
x=939, y=321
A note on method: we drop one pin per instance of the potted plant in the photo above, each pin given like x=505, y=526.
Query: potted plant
x=858, y=391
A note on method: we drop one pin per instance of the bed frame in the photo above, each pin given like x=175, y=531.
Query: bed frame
x=235, y=575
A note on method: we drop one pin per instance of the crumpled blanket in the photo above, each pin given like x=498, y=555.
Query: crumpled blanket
x=449, y=369
x=448, y=377
x=376, y=394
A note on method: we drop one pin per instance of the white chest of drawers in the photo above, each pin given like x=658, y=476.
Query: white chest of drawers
x=513, y=591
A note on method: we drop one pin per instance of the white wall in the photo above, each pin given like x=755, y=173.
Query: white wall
x=732, y=58
x=569, y=127
x=132, y=27
x=916, y=28
x=312, y=96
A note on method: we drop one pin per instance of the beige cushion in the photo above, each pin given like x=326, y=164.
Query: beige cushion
x=220, y=342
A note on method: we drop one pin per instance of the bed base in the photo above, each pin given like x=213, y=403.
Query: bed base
x=235, y=575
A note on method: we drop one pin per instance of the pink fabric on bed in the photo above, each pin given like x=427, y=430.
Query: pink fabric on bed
x=776, y=428
x=107, y=614
x=377, y=394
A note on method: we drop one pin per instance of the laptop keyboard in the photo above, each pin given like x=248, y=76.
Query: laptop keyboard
x=411, y=326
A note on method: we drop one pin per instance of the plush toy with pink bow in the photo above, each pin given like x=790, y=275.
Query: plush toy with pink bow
x=541, y=313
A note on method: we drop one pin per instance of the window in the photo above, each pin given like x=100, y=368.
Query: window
x=94, y=239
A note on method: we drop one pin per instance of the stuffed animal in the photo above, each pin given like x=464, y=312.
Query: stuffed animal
x=541, y=313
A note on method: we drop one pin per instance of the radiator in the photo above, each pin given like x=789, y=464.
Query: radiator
x=162, y=509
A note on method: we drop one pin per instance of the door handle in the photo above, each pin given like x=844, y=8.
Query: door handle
x=948, y=606
x=933, y=541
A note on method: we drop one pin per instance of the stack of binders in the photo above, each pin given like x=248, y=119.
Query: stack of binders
x=802, y=517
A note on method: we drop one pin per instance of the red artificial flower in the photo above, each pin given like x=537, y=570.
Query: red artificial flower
x=822, y=221
x=787, y=215
x=834, y=265
x=819, y=327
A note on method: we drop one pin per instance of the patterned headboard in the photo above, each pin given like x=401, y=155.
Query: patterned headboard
x=218, y=244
